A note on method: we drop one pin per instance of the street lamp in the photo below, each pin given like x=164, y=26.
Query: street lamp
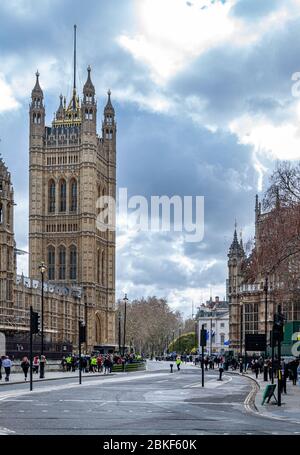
x=43, y=269
x=119, y=316
x=266, y=310
x=124, y=334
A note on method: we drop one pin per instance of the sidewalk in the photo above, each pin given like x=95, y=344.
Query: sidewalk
x=290, y=402
x=18, y=378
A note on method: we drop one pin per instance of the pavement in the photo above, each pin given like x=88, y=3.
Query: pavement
x=146, y=403
x=290, y=402
x=18, y=378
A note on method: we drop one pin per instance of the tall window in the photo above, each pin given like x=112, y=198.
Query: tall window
x=51, y=263
x=1, y=213
x=102, y=267
x=62, y=263
x=8, y=215
x=73, y=263
x=51, y=202
x=63, y=196
x=73, y=196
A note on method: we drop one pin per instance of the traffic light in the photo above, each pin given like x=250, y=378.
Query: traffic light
x=35, y=322
x=278, y=326
x=203, y=337
x=82, y=332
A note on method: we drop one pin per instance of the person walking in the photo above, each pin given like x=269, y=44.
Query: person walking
x=69, y=362
x=94, y=364
x=25, y=366
x=42, y=366
x=63, y=363
x=178, y=363
x=293, y=369
x=7, y=364
x=221, y=370
x=255, y=368
x=106, y=365
x=36, y=364
x=1, y=358
x=99, y=364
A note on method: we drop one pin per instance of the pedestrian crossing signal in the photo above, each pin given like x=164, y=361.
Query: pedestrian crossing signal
x=203, y=337
x=82, y=332
x=34, y=322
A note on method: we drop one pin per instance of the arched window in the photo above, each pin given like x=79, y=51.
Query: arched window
x=62, y=263
x=91, y=115
x=1, y=213
x=73, y=262
x=102, y=267
x=51, y=197
x=98, y=266
x=73, y=195
x=51, y=263
x=86, y=114
x=8, y=215
x=63, y=196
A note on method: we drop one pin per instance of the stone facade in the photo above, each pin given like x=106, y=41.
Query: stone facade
x=70, y=168
x=249, y=311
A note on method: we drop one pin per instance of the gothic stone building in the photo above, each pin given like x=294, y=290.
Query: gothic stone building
x=70, y=167
x=247, y=310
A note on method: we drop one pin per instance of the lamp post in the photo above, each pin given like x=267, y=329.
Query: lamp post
x=266, y=310
x=179, y=333
x=124, y=334
x=43, y=269
x=119, y=316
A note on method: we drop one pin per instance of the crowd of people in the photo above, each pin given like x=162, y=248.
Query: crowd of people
x=96, y=363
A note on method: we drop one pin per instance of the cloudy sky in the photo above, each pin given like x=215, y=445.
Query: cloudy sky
x=205, y=105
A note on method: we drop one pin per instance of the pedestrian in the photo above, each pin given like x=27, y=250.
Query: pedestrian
x=293, y=369
x=25, y=366
x=221, y=370
x=178, y=363
x=1, y=358
x=106, y=365
x=42, y=366
x=69, y=362
x=73, y=363
x=7, y=364
x=36, y=363
x=206, y=363
x=64, y=363
x=99, y=363
x=255, y=368
x=284, y=375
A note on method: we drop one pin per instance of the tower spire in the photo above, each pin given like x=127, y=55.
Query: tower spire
x=74, y=81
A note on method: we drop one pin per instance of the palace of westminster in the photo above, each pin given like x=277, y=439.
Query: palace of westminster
x=70, y=167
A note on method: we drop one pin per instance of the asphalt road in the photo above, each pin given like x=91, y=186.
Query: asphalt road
x=152, y=402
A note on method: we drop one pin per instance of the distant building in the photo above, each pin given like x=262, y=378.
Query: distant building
x=214, y=315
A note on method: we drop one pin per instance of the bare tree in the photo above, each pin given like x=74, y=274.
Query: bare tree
x=149, y=324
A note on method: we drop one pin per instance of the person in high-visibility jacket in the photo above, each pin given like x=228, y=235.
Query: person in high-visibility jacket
x=94, y=364
x=178, y=363
x=69, y=362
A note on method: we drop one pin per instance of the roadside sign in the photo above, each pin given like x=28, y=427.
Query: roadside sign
x=269, y=393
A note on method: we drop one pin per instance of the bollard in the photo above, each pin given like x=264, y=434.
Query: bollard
x=171, y=366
